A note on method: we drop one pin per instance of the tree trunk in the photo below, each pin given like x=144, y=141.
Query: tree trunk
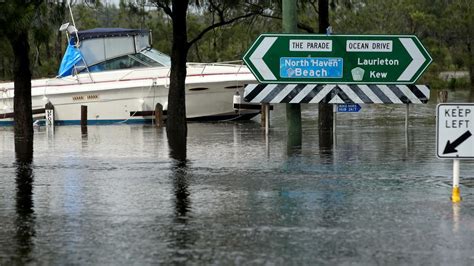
x=38, y=55
x=58, y=47
x=325, y=116
x=48, y=50
x=471, y=65
x=25, y=219
x=4, y=72
x=22, y=82
x=176, y=127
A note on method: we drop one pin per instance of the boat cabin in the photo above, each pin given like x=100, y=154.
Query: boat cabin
x=104, y=49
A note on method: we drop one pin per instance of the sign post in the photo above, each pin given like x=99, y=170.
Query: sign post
x=337, y=59
x=454, y=137
x=49, y=117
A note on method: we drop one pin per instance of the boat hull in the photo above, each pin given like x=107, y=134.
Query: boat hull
x=132, y=97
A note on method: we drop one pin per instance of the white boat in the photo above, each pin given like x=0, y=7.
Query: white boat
x=120, y=78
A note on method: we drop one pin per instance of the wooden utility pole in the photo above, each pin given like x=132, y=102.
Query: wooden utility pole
x=325, y=116
x=293, y=111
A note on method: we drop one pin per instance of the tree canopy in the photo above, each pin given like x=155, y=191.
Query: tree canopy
x=444, y=26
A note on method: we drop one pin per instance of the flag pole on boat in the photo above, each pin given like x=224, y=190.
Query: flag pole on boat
x=70, y=29
x=73, y=23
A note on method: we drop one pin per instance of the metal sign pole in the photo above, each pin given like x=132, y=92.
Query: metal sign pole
x=406, y=116
x=267, y=118
x=456, y=196
x=334, y=120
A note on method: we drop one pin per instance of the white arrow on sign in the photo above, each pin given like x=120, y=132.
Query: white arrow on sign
x=416, y=63
x=257, y=58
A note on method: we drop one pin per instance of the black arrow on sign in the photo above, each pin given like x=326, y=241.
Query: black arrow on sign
x=451, y=147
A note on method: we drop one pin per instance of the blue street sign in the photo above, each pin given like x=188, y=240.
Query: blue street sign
x=304, y=67
x=348, y=108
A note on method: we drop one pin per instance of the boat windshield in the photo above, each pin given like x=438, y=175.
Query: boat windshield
x=158, y=56
x=146, y=58
x=103, y=49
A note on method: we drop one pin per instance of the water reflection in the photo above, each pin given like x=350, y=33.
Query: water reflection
x=182, y=236
x=180, y=185
x=25, y=219
x=84, y=137
x=456, y=215
x=121, y=200
x=84, y=131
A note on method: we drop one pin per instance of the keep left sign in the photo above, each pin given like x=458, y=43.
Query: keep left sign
x=455, y=130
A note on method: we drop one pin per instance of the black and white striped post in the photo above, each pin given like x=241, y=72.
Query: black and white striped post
x=49, y=114
x=49, y=117
x=337, y=93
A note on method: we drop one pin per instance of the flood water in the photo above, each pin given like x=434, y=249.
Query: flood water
x=114, y=197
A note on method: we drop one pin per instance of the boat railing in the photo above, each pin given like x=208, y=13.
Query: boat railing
x=236, y=63
x=205, y=68
x=135, y=70
x=4, y=92
x=4, y=101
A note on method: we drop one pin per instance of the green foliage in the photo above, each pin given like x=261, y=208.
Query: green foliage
x=16, y=18
x=6, y=59
x=227, y=43
x=446, y=28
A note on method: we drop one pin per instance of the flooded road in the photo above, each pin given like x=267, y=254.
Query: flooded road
x=113, y=196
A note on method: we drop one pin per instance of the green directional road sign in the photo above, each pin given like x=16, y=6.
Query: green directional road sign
x=330, y=59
